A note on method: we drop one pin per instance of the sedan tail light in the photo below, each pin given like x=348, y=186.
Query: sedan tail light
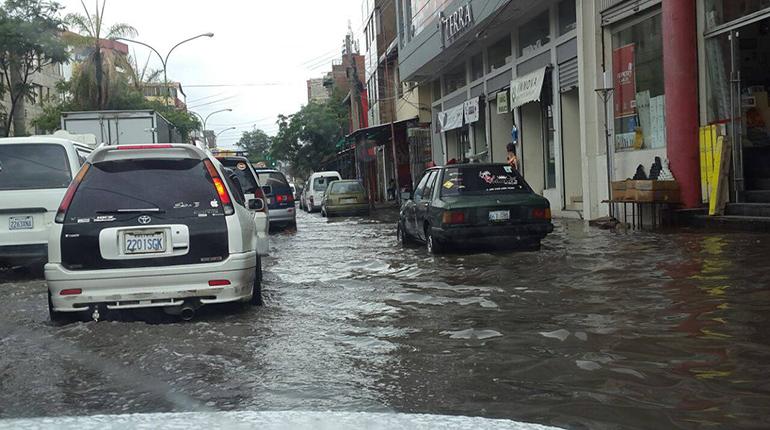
x=224, y=197
x=542, y=213
x=70, y=194
x=453, y=217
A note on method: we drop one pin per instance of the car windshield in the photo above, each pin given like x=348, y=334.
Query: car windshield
x=33, y=167
x=338, y=187
x=320, y=183
x=179, y=188
x=482, y=180
x=244, y=174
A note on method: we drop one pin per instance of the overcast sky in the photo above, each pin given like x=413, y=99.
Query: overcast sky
x=275, y=46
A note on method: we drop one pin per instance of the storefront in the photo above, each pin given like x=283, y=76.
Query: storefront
x=735, y=68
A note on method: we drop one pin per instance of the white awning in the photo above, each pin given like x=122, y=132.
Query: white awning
x=527, y=88
x=452, y=118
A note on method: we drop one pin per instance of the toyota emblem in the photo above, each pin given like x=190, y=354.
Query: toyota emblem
x=145, y=219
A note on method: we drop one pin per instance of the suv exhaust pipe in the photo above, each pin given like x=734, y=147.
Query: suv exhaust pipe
x=187, y=313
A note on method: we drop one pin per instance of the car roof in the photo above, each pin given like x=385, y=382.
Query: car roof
x=43, y=139
x=327, y=173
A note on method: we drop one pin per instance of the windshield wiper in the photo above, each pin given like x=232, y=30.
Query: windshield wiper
x=131, y=211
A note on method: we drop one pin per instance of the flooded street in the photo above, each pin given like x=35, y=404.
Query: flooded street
x=598, y=330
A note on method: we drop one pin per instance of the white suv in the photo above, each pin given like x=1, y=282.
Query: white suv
x=315, y=189
x=152, y=226
x=34, y=174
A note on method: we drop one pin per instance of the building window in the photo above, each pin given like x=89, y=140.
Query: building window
x=477, y=67
x=567, y=16
x=500, y=53
x=534, y=34
x=639, y=100
x=719, y=12
x=455, y=79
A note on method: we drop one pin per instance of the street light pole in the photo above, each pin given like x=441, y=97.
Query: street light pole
x=227, y=129
x=213, y=113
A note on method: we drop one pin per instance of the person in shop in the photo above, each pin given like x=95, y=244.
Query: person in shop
x=392, y=190
x=511, y=158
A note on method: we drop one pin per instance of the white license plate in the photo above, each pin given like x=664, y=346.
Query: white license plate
x=499, y=215
x=21, y=223
x=144, y=243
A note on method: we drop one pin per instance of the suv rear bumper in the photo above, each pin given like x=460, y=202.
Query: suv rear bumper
x=152, y=287
x=282, y=216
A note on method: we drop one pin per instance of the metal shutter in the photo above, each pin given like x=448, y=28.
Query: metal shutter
x=568, y=75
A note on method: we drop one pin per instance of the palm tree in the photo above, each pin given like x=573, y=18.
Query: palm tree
x=139, y=76
x=93, y=78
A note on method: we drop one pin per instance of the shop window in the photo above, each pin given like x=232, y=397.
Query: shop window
x=500, y=53
x=534, y=34
x=567, y=16
x=639, y=100
x=719, y=12
x=455, y=79
x=477, y=67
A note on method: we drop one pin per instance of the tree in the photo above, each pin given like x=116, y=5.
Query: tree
x=257, y=144
x=29, y=42
x=94, y=78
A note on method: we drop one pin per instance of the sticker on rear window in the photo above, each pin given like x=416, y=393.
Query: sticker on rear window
x=214, y=204
x=508, y=169
x=187, y=205
x=241, y=166
x=104, y=218
x=449, y=185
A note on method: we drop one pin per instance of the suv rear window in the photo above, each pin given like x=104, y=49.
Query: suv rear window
x=179, y=188
x=479, y=180
x=346, y=187
x=273, y=179
x=241, y=169
x=34, y=167
x=320, y=183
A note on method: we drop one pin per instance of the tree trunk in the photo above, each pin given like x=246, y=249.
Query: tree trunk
x=99, y=75
x=18, y=113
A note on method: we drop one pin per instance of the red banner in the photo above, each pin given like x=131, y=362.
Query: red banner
x=624, y=73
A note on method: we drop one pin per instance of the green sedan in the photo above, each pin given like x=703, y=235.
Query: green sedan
x=345, y=197
x=481, y=205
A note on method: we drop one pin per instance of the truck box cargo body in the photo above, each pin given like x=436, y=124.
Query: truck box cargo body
x=122, y=127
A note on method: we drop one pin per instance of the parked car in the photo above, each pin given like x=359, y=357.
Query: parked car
x=343, y=198
x=250, y=186
x=280, y=199
x=152, y=226
x=474, y=204
x=34, y=174
x=315, y=187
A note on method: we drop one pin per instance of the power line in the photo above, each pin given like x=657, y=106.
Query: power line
x=213, y=102
x=205, y=98
x=262, y=84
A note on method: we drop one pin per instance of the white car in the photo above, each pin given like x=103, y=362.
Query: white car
x=34, y=174
x=315, y=189
x=157, y=225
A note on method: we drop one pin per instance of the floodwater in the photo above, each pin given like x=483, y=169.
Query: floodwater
x=599, y=330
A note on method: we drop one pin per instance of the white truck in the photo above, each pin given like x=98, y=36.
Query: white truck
x=122, y=127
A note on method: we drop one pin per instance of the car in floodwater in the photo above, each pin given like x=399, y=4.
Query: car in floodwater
x=474, y=204
x=315, y=188
x=346, y=197
x=280, y=198
x=152, y=226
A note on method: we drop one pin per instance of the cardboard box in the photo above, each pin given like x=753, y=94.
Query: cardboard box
x=658, y=196
x=655, y=185
x=622, y=190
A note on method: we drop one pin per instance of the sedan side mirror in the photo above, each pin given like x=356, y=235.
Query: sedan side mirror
x=268, y=190
x=256, y=204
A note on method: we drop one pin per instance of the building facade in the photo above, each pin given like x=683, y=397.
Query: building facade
x=44, y=91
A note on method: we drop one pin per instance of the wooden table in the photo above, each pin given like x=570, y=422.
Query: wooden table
x=637, y=211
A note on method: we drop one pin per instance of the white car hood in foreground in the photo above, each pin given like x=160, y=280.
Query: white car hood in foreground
x=270, y=421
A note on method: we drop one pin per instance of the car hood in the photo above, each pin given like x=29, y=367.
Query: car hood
x=271, y=420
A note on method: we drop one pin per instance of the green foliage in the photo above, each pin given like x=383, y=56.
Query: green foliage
x=257, y=144
x=29, y=41
x=308, y=137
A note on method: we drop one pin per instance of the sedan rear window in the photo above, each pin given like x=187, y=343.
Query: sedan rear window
x=498, y=179
x=34, y=167
x=178, y=188
x=346, y=187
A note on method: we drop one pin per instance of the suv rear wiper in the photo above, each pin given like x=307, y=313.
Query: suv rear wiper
x=131, y=211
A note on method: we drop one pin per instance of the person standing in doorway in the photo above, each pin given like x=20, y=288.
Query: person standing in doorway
x=511, y=158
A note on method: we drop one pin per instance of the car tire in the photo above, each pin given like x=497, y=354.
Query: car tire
x=402, y=236
x=256, y=289
x=434, y=246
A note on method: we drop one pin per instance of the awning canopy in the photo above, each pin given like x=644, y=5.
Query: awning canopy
x=527, y=88
x=374, y=131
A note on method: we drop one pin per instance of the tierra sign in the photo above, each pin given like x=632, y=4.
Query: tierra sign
x=457, y=22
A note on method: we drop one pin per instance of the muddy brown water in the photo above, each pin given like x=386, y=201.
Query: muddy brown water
x=597, y=330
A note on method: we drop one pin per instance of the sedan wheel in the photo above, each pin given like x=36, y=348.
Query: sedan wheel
x=434, y=247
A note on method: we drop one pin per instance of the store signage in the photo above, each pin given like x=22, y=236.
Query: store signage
x=457, y=22
x=527, y=88
x=624, y=74
x=471, y=108
x=452, y=118
x=502, y=103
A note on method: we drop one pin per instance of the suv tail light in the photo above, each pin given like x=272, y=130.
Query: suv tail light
x=285, y=198
x=61, y=214
x=453, y=217
x=542, y=213
x=219, y=184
